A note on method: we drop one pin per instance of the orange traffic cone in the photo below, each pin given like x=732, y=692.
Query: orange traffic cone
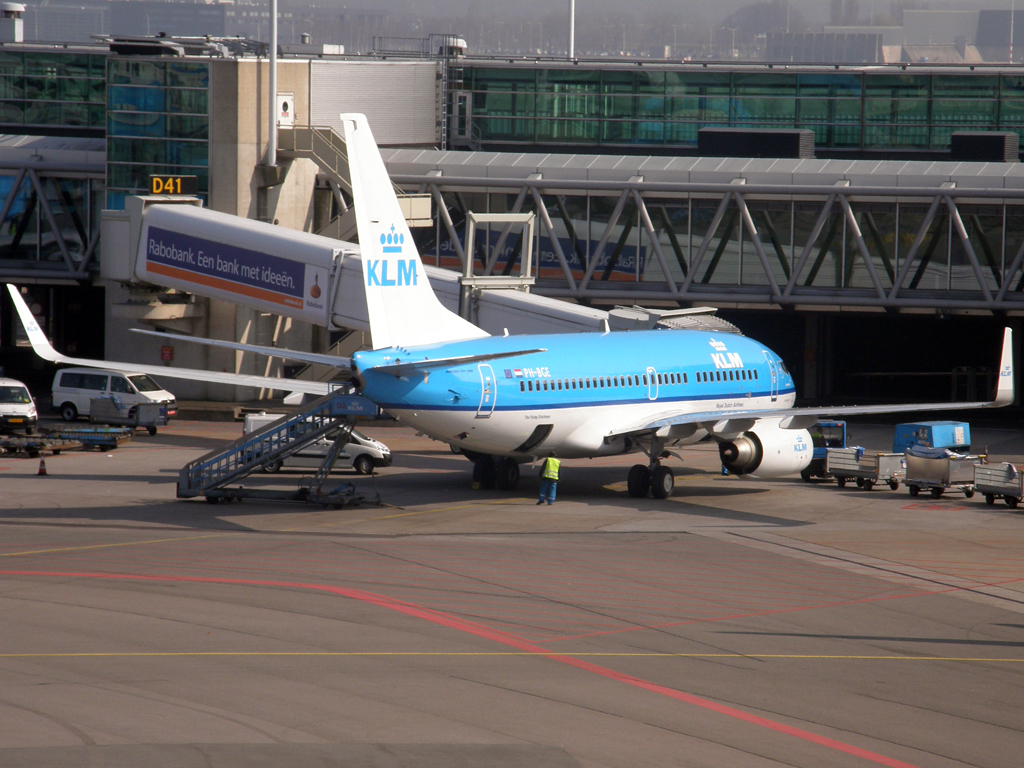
x=42, y=467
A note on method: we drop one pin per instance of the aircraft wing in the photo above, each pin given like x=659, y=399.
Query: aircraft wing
x=285, y=354
x=41, y=346
x=738, y=420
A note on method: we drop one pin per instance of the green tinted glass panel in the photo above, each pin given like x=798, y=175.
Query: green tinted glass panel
x=43, y=113
x=969, y=86
x=150, y=151
x=696, y=84
x=188, y=101
x=41, y=88
x=498, y=77
x=838, y=86
x=12, y=112
x=765, y=110
x=12, y=62
x=98, y=91
x=188, y=127
x=964, y=111
x=136, y=72
x=897, y=86
x=188, y=75
x=75, y=114
x=12, y=87
x=764, y=85
x=141, y=124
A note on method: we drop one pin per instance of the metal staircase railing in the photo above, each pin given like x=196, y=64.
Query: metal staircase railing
x=275, y=441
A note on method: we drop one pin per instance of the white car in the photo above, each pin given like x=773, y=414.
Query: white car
x=17, y=408
x=362, y=453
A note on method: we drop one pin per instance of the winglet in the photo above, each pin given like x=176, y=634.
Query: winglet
x=1005, y=388
x=40, y=343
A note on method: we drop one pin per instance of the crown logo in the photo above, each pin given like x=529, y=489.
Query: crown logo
x=717, y=345
x=392, y=241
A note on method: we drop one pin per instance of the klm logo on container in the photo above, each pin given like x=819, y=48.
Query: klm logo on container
x=404, y=269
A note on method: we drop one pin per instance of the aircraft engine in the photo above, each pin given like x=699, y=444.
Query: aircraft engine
x=767, y=450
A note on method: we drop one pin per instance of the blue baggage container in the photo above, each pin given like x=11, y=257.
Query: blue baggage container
x=955, y=435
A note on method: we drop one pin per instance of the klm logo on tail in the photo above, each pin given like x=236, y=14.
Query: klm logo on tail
x=377, y=269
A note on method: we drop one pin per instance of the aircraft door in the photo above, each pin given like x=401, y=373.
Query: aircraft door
x=652, y=384
x=488, y=392
x=773, y=375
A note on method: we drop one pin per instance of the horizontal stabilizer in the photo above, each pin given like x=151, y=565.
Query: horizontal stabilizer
x=285, y=354
x=41, y=346
x=400, y=369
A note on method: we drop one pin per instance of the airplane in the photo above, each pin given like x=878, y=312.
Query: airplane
x=507, y=400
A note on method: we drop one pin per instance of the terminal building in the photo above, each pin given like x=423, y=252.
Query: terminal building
x=885, y=259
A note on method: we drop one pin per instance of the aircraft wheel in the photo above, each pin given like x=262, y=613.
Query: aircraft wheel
x=68, y=412
x=663, y=483
x=507, y=474
x=363, y=465
x=484, y=473
x=806, y=474
x=937, y=492
x=1011, y=502
x=639, y=481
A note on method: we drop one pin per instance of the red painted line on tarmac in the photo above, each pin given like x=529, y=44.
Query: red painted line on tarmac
x=478, y=630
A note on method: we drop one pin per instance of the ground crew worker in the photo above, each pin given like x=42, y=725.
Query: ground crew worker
x=549, y=479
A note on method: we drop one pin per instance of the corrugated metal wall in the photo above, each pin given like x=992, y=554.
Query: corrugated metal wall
x=398, y=98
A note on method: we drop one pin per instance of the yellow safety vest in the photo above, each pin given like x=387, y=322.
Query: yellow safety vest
x=551, y=469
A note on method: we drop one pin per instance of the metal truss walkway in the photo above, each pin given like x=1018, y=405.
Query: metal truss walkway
x=787, y=233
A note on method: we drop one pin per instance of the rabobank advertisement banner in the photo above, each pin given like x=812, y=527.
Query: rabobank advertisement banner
x=244, y=276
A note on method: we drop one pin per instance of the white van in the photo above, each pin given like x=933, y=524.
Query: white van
x=73, y=388
x=361, y=453
x=17, y=409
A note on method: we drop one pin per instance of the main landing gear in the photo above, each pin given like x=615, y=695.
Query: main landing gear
x=491, y=472
x=653, y=477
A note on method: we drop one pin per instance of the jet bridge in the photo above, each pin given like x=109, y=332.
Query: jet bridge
x=176, y=243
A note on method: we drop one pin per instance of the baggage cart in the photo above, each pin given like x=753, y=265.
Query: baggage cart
x=937, y=471
x=867, y=469
x=108, y=410
x=999, y=481
x=103, y=438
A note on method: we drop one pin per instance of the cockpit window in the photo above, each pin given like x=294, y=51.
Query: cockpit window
x=783, y=368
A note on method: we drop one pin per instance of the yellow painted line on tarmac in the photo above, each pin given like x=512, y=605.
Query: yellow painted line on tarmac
x=105, y=546
x=462, y=654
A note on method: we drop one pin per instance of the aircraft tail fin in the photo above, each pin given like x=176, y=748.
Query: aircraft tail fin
x=1005, y=391
x=401, y=306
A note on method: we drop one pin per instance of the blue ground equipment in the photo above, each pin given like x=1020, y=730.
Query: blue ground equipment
x=824, y=435
x=954, y=435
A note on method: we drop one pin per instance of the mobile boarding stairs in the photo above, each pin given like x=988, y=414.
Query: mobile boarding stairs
x=210, y=475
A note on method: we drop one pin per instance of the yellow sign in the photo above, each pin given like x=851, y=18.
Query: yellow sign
x=173, y=185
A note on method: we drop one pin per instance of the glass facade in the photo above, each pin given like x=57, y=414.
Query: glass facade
x=158, y=122
x=847, y=110
x=44, y=90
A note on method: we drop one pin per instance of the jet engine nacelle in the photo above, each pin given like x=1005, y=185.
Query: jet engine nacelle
x=767, y=450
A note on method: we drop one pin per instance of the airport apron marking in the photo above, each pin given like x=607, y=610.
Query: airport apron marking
x=471, y=628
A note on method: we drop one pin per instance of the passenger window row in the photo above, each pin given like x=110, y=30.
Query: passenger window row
x=609, y=382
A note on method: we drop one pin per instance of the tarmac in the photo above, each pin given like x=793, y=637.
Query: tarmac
x=738, y=623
